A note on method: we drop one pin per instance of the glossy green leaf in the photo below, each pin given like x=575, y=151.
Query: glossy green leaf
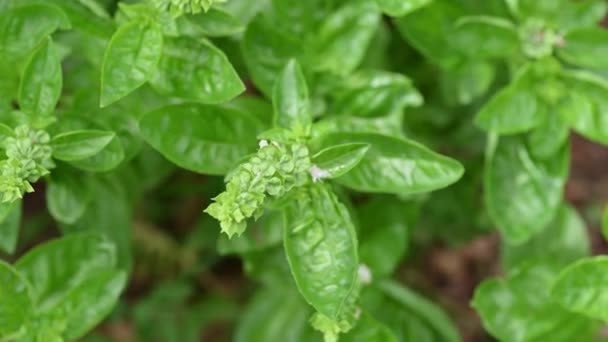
x=586, y=47
x=585, y=104
x=10, y=221
x=41, y=81
x=394, y=165
x=110, y=157
x=91, y=301
x=216, y=23
x=562, y=242
x=423, y=308
x=581, y=288
x=398, y=8
x=266, y=49
x=77, y=145
x=321, y=246
x=196, y=70
x=374, y=94
x=290, y=100
x=130, y=60
x=385, y=232
x=16, y=305
x=519, y=308
x=369, y=330
x=201, y=138
x=514, y=109
x=390, y=125
x=22, y=28
x=57, y=267
x=344, y=36
x=338, y=160
x=523, y=193
x=493, y=37
x=255, y=106
x=67, y=195
x=277, y=314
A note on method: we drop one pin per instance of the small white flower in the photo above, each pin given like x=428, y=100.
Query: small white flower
x=358, y=313
x=263, y=143
x=365, y=274
x=318, y=174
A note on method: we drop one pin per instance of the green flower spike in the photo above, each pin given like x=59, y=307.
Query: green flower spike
x=272, y=171
x=28, y=158
x=180, y=7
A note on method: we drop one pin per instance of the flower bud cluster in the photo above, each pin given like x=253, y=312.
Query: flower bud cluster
x=179, y=7
x=273, y=171
x=28, y=158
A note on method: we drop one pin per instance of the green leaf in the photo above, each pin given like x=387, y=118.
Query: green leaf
x=255, y=106
x=561, y=13
x=514, y=109
x=57, y=267
x=201, y=138
x=391, y=125
x=344, y=36
x=585, y=104
x=41, y=81
x=321, y=246
x=22, y=28
x=523, y=193
x=266, y=49
x=374, y=93
x=586, y=47
x=77, y=145
x=423, y=308
x=493, y=37
x=110, y=197
x=519, y=309
x=196, y=70
x=67, y=195
x=394, y=165
x=85, y=15
x=107, y=159
x=130, y=60
x=549, y=137
x=385, y=232
x=398, y=8
x=465, y=82
x=10, y=220
x=369, y=330
x=337, y=160
x=215, y=23
x=277, y=314
x=562, y=242
x=5, y=132
x=290, y=100
x=91, y=301
x=430, y=29
x=581, y=288
x=16, y=305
